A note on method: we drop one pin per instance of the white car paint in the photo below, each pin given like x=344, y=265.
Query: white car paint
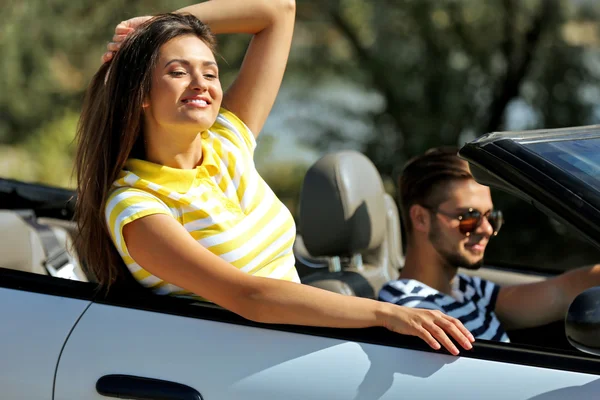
x=33, y=329
x=226, y=361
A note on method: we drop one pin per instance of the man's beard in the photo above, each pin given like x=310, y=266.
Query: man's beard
x=455, y=259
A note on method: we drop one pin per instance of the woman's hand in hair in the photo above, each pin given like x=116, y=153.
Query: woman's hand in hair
x=121, y=31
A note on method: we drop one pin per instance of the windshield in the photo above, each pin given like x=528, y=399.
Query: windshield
x=580, y=158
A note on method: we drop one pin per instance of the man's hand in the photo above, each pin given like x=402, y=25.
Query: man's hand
x=540, y=303
x=121, y=32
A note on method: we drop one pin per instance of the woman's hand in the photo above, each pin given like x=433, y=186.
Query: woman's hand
x=430, y=325
x=121, y=32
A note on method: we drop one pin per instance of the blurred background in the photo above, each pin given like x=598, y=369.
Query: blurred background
x=390, y=78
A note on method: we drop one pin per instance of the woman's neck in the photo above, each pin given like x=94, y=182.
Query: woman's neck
x=175, y=150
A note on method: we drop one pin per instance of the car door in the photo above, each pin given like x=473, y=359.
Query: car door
x=37, y=310
x=37, y=314
x=131, y=346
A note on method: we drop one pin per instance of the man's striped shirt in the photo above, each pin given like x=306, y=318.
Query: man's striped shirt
x=223, y=203
x=473, y=302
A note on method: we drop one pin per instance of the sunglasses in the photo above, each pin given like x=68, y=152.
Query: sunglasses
x=471, y=219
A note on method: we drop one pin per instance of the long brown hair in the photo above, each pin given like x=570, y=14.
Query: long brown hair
x=110, y=131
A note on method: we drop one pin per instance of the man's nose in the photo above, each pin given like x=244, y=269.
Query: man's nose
x=485, y=228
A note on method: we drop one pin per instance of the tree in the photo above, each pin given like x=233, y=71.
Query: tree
x=449, y=71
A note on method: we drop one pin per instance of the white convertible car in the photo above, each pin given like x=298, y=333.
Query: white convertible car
x=62, y=338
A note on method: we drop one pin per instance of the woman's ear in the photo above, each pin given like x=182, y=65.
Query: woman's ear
x=419, y=217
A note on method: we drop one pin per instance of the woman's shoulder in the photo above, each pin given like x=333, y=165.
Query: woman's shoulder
x=126, y=204
x=232, y=128
x=126, y=196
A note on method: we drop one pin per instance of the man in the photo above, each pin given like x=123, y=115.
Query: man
x=449, y=221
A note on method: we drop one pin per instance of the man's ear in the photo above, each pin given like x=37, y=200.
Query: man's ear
x=420, y=218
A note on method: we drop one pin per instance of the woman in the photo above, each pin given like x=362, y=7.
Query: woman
x=166, y=176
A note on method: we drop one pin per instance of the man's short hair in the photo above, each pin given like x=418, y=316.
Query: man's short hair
x=425, y=177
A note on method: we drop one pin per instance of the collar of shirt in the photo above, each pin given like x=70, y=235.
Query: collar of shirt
x=176, y=179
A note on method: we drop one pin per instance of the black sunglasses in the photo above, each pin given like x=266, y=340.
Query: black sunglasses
x=471, y=219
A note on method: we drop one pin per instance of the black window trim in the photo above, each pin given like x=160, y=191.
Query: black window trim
x=572, y=361
x=527, y=175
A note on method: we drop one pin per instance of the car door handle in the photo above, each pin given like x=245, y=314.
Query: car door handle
x=140, y=388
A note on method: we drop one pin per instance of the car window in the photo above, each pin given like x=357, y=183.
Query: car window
x=531, y=239
x=580, y=158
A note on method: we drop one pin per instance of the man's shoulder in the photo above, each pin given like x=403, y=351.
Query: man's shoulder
x=407, y=290
x=410, y=286
x=476, y=287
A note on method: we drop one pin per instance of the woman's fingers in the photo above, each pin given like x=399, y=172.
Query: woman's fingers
x=117, y=38
x=455, y=332
x=112, y=46
x=123, y=30
x=106, y=57
x=426, y=336
x=440, y=335
x=435, y=328
x=129, y=25
x=460, y=327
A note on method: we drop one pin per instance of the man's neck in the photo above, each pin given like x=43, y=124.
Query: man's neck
x=424, y=264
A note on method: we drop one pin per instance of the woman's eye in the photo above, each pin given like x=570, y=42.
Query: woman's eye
x=210, y=76
x=177, y=73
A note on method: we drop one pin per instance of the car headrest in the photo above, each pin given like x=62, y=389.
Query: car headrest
x=342, y=206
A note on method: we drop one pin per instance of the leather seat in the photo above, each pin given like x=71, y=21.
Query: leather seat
x=349, y=227
x=24, y=245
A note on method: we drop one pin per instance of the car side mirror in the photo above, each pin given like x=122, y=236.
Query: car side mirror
x=582, y=324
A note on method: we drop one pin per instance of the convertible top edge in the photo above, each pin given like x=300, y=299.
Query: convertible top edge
x=570, y=133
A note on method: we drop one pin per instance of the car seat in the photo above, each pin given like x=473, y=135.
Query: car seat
x=349, y=227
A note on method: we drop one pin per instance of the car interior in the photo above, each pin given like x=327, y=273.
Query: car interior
x=349, y=236
x=37, y=244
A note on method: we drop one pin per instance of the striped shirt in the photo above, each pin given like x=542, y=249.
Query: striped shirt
x=223, y=203
x=473, y=302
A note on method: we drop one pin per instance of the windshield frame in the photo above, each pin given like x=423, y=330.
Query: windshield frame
x=500, y=160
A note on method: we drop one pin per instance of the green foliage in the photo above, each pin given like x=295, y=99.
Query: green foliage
x=46, y=156
x=52, y=151
x=449, y=70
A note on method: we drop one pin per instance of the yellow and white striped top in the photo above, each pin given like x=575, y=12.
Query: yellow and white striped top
x=223, y=203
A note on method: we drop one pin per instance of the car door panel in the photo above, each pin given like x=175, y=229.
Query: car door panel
x=34, y=329
x=224, y=360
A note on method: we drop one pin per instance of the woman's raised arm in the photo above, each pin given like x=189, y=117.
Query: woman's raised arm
x=271, y=22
